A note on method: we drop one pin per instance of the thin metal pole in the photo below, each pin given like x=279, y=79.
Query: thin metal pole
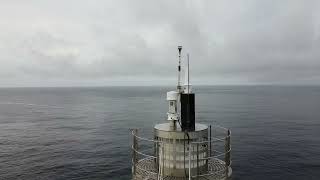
x=189, y=161
x=227, y=153
x=156, y=154
x=134, y=153
x=188, y=75
x=162, y=159
x=197, y=160
x=179, y=69
x=160, y=156
x=157, y=160
x=210, y=142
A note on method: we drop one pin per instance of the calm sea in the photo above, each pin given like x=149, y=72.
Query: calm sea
x=83, y=133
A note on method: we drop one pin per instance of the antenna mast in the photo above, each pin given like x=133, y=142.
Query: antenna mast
x=179, y=69
x=182, y=147
x=188, y=75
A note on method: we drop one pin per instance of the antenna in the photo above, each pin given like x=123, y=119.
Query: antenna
x=179, y=68
x=187, y=86
x=188, y=75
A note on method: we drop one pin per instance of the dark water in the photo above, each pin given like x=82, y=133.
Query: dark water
x=83, y=133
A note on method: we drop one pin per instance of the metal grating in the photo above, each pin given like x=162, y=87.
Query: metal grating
x=146, y=171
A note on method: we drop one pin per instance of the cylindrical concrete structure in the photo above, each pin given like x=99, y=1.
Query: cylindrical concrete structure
x=172, y=150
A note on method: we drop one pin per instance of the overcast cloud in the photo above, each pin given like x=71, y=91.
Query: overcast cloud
x=78, y=42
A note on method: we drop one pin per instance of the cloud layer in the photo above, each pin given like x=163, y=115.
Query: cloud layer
x=53, y=43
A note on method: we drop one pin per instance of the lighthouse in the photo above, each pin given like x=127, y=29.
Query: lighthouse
x=181, y=148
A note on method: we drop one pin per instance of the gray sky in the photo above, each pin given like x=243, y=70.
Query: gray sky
x=84, y=43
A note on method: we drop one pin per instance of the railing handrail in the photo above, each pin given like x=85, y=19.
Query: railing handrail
x=150, y=156
x=193, y=142
x=145, y=139
x=208, y=157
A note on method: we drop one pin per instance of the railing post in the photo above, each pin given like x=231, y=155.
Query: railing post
x=160, y=160
x=134, y=149
x=198, y=160
x=163, y=153
x=227, y=152
x=210, y=142
x=189, y=161
x=156, y=154
x=209, y=148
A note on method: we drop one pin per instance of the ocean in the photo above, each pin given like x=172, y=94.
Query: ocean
x=83, y=133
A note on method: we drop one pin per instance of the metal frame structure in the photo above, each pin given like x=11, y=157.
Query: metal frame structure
x=183, y=151
x=218, y=159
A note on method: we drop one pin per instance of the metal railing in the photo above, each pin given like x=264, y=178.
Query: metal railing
x=145, y=161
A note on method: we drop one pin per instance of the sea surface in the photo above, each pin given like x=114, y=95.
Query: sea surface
x=83, y=133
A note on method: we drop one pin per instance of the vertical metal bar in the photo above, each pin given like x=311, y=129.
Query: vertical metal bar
x=210, y=142
x=159, y=161
x=170, y=157
x=179, y=69
x=134, y=149
x=174, y=153
x=197, y=160
x=155, y=151
x=189, y=161
x=227, y=152
x=156, y=160
x=162, y=158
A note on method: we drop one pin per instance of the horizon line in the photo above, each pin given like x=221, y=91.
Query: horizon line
x=97, y=86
